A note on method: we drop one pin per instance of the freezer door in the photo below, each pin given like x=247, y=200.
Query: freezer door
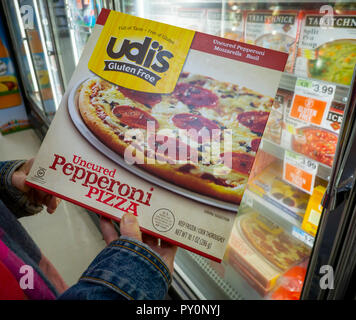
x=333, y=262
x=45, y=87
x=60, y=22
x=22, y=51
x=81, y=17
x=277, y=223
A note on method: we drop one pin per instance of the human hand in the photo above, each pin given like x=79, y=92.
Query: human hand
x=129, y=227
x=35, y=196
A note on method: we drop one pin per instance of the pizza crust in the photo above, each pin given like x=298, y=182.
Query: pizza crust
x=94, y=123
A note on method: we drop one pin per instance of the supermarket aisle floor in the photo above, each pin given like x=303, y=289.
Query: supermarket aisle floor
x=68, y=238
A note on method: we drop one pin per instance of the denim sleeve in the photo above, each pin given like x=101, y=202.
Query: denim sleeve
x=14, y=199
x=127, y=269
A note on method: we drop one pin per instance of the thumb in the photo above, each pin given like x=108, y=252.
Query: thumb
x=19, y=176
x=129, y=227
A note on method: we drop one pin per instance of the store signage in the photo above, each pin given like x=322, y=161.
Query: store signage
x=299, y=171
x=311, y=102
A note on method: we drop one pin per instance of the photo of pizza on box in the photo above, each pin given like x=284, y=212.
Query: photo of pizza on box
x=202, y=137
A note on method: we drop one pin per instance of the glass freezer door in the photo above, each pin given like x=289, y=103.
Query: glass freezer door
x=82, y=16
x=22, y=51
x=277, y=222
x=61, y=31
x=43, y=82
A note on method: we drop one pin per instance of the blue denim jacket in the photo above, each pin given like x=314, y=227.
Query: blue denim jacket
x=126, y=269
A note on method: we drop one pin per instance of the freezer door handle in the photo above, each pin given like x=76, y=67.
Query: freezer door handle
x=340, y=193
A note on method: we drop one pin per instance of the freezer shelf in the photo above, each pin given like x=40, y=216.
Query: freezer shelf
x=276, y=150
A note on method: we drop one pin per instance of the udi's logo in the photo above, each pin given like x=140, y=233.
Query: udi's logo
x=140, y=54
x=149, y=54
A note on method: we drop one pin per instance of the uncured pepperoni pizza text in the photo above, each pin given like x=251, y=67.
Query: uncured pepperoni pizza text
x=101, y=184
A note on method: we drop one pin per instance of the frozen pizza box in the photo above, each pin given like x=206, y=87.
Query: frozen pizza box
x=261, y=251
x=327, y=46
x=274, y=29
x=161, y=122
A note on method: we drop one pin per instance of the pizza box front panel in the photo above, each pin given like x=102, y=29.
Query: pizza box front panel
x=79, y=165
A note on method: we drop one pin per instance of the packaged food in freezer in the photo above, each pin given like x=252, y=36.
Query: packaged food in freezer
x=314, y=209
x=271, y=187
x=261, y=251
x=233, y=25
x=327, y=46
x=274, y=29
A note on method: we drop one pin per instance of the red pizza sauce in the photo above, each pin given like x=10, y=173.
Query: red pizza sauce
x=241, y=162
x=254, y=120
x=133, y=117
x=315, y=143
x=195, y=95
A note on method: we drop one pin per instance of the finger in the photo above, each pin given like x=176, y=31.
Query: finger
x=39, y=197
x=52, y=203
x=168, y=252
x=31, y=195
x=150, y=240
x=20, y=176
x=129, y=227
x=108, y=230
x=18, y=181
x=168, y=245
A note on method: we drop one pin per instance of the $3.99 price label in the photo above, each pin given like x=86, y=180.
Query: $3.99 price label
x=299, y=171
x=312, y=100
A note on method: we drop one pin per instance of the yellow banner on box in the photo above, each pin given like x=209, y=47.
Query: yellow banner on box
x=140, y=54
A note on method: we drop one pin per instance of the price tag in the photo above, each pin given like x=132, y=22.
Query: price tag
x=312, y=100
x=299, y=171
x=303, y=236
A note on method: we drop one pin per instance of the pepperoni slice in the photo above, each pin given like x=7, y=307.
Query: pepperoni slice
x=195, y=95
x=133, y=117
x=255, y=144
x=241, y=162
x=148, y=99
x=193, y=121
x=166, y=148
x=254, y=120
x=190, y=121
